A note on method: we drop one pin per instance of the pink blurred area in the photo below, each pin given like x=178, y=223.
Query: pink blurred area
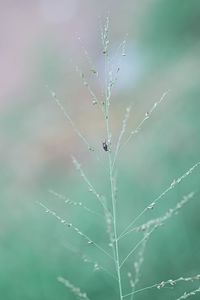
x=30, y=30
x=40, y=45
x=26, y=24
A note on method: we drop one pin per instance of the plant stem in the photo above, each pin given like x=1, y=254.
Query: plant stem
x=108, y=131
x=116, y=248
x=115, y=244
x=115, y=228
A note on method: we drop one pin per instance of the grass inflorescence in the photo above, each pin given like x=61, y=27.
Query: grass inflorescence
x=118, y=261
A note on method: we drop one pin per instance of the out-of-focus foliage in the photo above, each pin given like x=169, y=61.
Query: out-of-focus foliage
x=37, y=143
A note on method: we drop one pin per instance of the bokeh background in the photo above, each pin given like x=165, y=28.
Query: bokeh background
x=42, y=42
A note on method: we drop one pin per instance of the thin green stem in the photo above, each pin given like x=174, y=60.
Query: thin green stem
x=137, y=245
x=115, y=228
x=116, y=248
x=76, y=229
x=152, y=204
x=115, y=243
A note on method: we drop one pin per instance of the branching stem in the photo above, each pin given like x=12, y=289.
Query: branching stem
x=115, y=242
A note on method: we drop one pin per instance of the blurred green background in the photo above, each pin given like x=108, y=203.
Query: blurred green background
x=39, y=46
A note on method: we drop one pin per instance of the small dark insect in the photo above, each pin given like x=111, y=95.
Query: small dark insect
x=105, y=146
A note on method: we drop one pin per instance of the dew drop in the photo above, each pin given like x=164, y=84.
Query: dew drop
x=94, y=101
x=173, y=183
x=151, y=206
x=53, y=94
